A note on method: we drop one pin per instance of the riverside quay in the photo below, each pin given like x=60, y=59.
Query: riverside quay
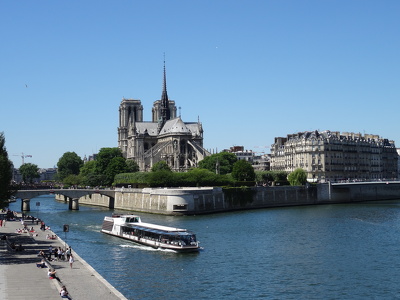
x=206, y=200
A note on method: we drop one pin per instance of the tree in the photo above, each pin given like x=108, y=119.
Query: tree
x=87, y=173
x=132, y=166
x=29, y=172
x=72, y=180
x=160, y=166
x=5, y=173
x=243, y=171
x=69, y=164
x=163, y=178
x=297, y=177
x=88, y=168
x=104, y=157
x=116, y=165
x=221, y=163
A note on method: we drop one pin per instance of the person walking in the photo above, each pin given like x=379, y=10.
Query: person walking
x=71, y=260
x=68, y=253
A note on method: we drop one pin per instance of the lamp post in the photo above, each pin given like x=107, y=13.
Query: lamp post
x=65, y=229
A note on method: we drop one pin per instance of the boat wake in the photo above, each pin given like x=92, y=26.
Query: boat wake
x=142, y=247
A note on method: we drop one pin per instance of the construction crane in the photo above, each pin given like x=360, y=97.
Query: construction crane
x=22, y=155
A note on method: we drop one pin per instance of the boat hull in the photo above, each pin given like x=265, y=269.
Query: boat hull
x=154, y=244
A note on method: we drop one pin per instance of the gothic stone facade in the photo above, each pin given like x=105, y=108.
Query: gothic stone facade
x=166, y=138
x=335, y=156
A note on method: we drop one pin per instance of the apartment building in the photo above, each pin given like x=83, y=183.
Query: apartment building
x=334, y=156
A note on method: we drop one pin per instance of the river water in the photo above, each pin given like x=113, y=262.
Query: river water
x=348, y=251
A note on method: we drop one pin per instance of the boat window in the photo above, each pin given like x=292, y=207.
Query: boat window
x=133, y=220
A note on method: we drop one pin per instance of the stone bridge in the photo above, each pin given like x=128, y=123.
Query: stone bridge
x=71, y=195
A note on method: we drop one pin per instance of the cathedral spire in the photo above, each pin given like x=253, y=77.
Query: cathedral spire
x=165, y=112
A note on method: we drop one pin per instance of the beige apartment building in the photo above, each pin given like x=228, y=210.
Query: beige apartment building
x=334, y=156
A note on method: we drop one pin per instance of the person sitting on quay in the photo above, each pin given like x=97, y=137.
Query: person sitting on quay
x=42, y=264
x=52, y=274
x=64, y=293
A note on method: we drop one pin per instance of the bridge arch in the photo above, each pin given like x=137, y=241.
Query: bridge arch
x=71, y=195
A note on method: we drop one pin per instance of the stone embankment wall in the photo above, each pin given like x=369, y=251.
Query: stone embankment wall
x=177, y=201
x=358, y=191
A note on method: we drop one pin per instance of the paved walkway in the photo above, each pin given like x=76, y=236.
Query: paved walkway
x=20, y=278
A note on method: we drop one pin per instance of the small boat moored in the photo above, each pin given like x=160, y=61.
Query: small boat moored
x=131, y=227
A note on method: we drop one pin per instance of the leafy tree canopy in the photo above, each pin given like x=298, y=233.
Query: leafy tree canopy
x=72, y=180
x=268, y=176
x=69, y=164
x=221, y=163
x=132, y=166
x=5, y=173
x=117, y=165
x=29, y=172
x=297, y=177
x=104, y=157
x=161, y=178
x=243, y=171
x=160, y=166
x=88, y=168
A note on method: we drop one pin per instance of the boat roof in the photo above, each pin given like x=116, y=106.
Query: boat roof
x=160, y=229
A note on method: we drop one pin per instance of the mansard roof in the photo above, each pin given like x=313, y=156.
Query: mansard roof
x=328, y=135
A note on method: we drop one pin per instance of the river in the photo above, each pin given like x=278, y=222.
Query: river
x=346, y=251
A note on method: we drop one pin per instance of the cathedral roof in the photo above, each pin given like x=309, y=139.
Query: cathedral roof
x=175, y=126
x=146, y=127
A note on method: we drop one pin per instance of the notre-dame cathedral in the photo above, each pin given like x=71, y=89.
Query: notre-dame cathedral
x=166, y=138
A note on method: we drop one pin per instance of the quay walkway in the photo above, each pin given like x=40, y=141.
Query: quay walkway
x=21, y=279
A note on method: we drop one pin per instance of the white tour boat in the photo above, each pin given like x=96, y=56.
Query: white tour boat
x=131, y=227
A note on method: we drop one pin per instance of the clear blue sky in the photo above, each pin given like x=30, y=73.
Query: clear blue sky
x=250, y=70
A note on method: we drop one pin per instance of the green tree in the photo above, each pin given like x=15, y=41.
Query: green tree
x=221, y=163
x=73, y=180
x=136, y=179
x=297, y=177
x=160, y=166
x=87, y=173
x=88, y=168
x=132, y=166
x=116, y=165
x=243, y=171
x=200, y=177
x=104, y=157
x=5, y=173
x=161, y=178
x=29, y=172
x=69, y=164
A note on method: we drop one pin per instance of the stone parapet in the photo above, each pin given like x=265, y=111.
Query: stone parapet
x=204, y=200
